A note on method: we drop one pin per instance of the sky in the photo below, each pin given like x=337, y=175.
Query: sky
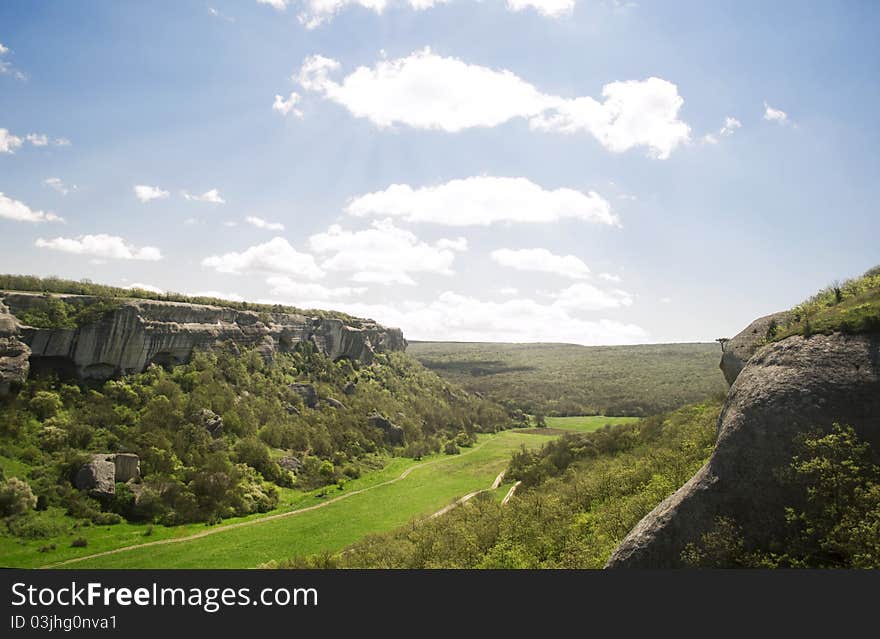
x=585, y=171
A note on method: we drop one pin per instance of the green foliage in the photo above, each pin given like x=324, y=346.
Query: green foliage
x=57, y=313
x=567, y=379
x=50, y=311
x=836, y=525
x=850, y=307
x=581, y=495
x=16, y=497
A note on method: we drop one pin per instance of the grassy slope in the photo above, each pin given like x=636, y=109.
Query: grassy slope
x=331, y=528
x=567, y=379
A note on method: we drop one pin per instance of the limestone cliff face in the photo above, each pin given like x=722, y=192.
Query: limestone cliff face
x=14, y=353
x=143, y=332
x=737, y=351
x=787, y=388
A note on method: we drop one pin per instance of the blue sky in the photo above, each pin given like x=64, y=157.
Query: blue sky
x=727, y=171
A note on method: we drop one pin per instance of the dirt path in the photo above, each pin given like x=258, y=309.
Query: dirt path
x=498, y=480
x=291, y=513
x=461, y=500
x=510, y=493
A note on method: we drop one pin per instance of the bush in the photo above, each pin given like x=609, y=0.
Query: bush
x=451, y=448
x=79, y=542
x=16, y=497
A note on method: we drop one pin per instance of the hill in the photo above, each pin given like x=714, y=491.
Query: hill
x=568, y=379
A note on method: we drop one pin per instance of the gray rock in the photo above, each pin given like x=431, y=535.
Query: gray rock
x=334, y=403
x=786, y=389
x=98, y=476
x=736, y=352
x=350, y=388
x=291, y=409
x=127, y=466
x=291, y=463
x=210, y=421
x=266, y=349
x=393, y=433
x=143, y=332
x=14, y=353
x=307, y=393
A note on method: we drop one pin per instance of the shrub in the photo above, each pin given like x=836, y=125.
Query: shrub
x=16, y=497
x=79, y=542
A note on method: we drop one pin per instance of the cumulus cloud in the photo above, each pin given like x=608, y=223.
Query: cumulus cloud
x=62, y=142
x=276, y=256
x=260, y=223
x=57, y=184
x=146, y=287
x=729, y=127
x=609, y=277
x=481, y=201
x=428, y=91
x=9, y=142
x=455, y=317
x=20, y=212
x=549, y=8
x=279, y=5
x=296, y=291
x=458, y=244
x=232, y=297
x=212, y=197
x=147, y=193
x=541, y=260
x=382, y=254
x=287, y=106
x=101, y=246
x=582, y=297
x=6, y=66
x=37, y=139
x=775, y=115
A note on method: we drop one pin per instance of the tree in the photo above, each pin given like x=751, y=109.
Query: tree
x=16, y=497
x=540, y=420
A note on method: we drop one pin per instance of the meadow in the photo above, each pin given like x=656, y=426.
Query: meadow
x=568, y=379
x=376, y=502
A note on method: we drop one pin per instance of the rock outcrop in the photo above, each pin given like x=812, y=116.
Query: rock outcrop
x=14, y=353
x=210, y=421
x=143, y=332
x=786, y=389
x=736, y=351
x=100, y=474
x=307, y=393
x=393, y=433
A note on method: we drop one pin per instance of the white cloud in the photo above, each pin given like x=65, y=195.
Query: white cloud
x=665, y=300
x=549, y=8
x=217, y=14
x=9, y=142
x=455, y=317
x=583, y=297
x=3, y=49
x=508, y=290
x=383, y=254
x=7, y=68
x=57, y=184
x=260, y=223
x=279, y=5
x=609, y=277
x=775, y=115
x=542, y=261
x=212, y=197
x=232, y=297
x=20, y=212
x=230, y=224
x=287, y=106
x=146, y=193
x=147, y=287
x=458, y=244
x=101, y=246
x=427, y=91
x=297, y=291
x=276, y=256
x=37, y=139
x=729, y=127
x=483, y=200
x=62, y=142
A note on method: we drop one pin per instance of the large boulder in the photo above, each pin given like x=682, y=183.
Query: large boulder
x=393, y=433
x=127, y=466
x=334, y=403
x=98, y=476
x=735, y=352
x=307, y=393
x=14, y=353
x=786, y=389
x=210, y=421
x=291, y=463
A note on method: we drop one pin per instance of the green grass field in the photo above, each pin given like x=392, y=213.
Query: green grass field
x=588, y=423
x=433, y=483
x=568, y=379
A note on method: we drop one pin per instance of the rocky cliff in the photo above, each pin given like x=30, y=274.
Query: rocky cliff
x=785, y=389
x=737, y=351
x=137, y=333
x=14, y=353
